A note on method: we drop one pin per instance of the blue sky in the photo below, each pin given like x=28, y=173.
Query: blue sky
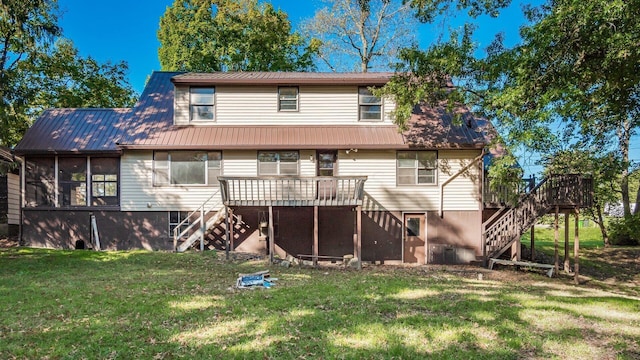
x=118, y=30
x=126, y=30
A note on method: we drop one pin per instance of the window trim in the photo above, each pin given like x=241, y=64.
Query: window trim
x=297, y=99
x=279, y=172
x=206, y=167
x=417, y=167
x=192, y=104
x=362, y=104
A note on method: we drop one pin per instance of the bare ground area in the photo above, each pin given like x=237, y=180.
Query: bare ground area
x=8, y=242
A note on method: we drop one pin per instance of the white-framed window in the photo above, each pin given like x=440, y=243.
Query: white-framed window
x=288, y=98
x=186, y=167
x=369, y=105
x=202, y=103
x=278, y=162
x=416, y=167
x=175, y=218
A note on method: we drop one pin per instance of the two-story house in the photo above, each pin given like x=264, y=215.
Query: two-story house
x=299, y=163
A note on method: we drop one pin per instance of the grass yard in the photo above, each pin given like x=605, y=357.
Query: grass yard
x=156, y=305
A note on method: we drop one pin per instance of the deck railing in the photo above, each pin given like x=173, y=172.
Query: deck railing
x=570, y=190
x=292, y=191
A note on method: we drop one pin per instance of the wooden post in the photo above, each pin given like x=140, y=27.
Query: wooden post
x=533, y=243
x=315, y=235
x=567, y=263
x=231, y=228
x=556, y=235
x=359, y=235
x=272, y=240
x=576, y=250
x=226, y=231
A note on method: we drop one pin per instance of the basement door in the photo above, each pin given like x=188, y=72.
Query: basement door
x=414, y=239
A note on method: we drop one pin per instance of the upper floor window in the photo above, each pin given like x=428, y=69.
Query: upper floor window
x=287, y=98
x=186, y=167
x=202, y=103
x=416, y=167
x=278, y=162
x=369, y=105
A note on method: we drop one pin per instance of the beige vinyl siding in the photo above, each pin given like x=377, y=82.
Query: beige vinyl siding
x=13, y=199
x=137, y=189
x=380, y=168
x=258, y=105
x=181, y=106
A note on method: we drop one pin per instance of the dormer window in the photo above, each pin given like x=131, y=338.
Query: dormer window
x=369, y=106
x=202, y=103
x=287, y=98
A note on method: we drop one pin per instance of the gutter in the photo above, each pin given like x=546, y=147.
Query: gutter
x=444, y=183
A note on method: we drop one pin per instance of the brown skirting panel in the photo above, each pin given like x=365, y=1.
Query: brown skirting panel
x=118, y=230
x=454, y=238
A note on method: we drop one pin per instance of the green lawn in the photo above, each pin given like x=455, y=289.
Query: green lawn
x=144, y=305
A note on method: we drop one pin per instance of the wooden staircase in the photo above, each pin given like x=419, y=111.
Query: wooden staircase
x=199, y=224
x=507, y=226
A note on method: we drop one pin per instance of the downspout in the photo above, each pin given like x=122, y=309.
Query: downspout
x=22, y=192
x=444, y=183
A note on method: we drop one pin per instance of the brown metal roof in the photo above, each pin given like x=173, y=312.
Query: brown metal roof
x=434, y=128
x=281, y=78
x=149, y=125
x=272, y=137
x=74, y=131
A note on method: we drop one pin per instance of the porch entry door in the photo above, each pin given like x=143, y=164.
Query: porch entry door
x=326, y=166
x=415, y=236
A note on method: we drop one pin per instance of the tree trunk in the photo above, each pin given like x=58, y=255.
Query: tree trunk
x=624, y=137
x=637, y=208
x=600, y=222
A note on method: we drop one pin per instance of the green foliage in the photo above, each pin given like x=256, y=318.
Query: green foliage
x=361, y=35
x=231, y=35
x=36, y=72
x=625, y=230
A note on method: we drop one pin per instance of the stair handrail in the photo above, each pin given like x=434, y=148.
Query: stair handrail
x=202, y=211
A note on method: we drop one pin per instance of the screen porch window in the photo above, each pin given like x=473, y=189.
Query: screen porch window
x=369, y=105
x=202, y=103
x=278, y=162
x=187, y=167
x=287, y=98
x=72, y=181
x=40, y=182
x=416, y=167
x=104, y=181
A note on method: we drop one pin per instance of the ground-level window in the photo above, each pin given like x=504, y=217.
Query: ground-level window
x=40, y=178
x=186, y=167
x=177, y=217
x=416, y=167
x=278, y=162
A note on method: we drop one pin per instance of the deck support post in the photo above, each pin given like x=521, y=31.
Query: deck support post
x=272, y=245
x=567, y=262
x=515, y=250
x=357, y=236
x=226, y=232
x=556, y=235
x=576, y=250
x=231, y=228
x=315, y=236
x=533, y=243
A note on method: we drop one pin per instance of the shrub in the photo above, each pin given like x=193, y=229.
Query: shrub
x=625, y=231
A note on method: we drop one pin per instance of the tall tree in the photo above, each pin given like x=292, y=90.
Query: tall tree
x=359, y=35
x=575, y=76
x=231, y=35
x=38, y=72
